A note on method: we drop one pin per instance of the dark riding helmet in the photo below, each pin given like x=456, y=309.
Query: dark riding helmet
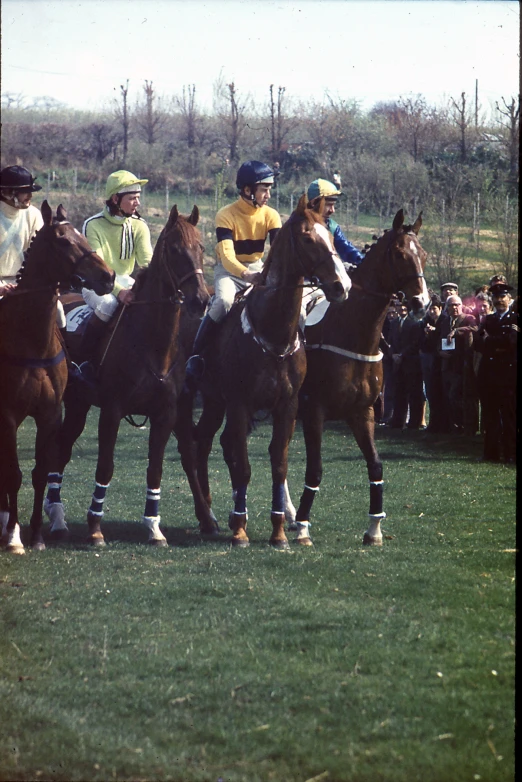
x=254, y=173
x=17, y=178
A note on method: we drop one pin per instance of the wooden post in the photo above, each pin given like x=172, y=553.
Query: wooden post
x=75, y=181
x=291, y=203
x=167, y=199
x=48, y=188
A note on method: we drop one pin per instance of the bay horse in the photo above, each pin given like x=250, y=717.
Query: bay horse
x=142, y=373
x=259, y=363
x=344, y=376
x=33, y=367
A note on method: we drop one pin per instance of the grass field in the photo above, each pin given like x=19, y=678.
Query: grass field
x=199, y=663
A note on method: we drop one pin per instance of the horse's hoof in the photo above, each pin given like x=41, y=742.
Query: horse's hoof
x=370, y=540
x=15, y=548
x=304, y=541
x=59, y=535
x=240, y=542
x=38, y=546
x=98, y=541
x=209, y=534
x=158, y=542
x=280, y=545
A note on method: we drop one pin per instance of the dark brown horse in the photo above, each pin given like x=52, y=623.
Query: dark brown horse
x=259, y=363
x=344, y=376
x=33, y=369
x=142, y=374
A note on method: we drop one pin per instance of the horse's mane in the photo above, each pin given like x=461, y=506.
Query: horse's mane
x=285, y=235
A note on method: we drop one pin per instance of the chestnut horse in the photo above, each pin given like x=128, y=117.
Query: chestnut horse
x=259, y=363
x=33, y=368
x=142, y=373
x=344, y=376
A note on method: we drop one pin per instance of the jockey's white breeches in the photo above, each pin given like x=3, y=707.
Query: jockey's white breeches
x=226, y=286
x=105, y=306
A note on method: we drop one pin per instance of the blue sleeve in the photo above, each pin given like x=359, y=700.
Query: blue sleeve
x=347, y=252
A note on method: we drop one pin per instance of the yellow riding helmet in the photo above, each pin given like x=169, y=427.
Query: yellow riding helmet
x=320, y=188
x=123, y=182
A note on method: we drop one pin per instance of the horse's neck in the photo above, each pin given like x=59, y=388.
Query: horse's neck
x=31, y=322
x=158, y=316
x=359, y=320
x=275, y=307
x=32, y=308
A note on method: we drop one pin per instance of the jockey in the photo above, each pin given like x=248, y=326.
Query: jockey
x=241, y=229
x=122, y=238
x=19, y=221
x=321, y=188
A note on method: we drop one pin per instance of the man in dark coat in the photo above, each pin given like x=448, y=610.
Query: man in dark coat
x=405, y=333
x=497, y=340
x=455, y=331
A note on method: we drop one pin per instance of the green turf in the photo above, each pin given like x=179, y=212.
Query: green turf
x=198, y=662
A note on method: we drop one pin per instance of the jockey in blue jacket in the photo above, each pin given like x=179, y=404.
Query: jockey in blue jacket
x=321, y=188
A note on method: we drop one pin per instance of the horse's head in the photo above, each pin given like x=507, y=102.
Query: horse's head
x=181, y=252
x=400, y=260
x=70, y=261
x=315, y=252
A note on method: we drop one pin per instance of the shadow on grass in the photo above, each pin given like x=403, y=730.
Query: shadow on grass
x=127, y=532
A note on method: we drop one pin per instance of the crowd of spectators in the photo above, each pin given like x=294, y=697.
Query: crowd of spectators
x=452, y=368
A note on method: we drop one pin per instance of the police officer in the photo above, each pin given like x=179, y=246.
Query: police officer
x=496, y=340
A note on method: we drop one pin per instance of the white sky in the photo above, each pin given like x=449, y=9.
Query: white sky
x=368, y=50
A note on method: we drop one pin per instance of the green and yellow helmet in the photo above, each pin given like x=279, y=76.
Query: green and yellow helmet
x=123, y=182
x=322, y=188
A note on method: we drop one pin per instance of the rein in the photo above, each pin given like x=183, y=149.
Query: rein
x=33, y=363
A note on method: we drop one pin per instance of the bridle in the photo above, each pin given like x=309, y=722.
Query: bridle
x=397, y=279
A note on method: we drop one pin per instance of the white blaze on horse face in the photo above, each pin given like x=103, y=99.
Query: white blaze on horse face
x=327, y=238
x=423, y=297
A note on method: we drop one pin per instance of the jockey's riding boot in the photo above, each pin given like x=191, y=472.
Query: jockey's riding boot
x=195, y=366
x=94, y=331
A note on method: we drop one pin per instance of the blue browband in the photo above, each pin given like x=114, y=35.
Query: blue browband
x=33, y=363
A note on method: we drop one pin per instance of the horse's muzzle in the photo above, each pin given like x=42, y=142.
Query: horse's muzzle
x=335, y=291
x=102, y=286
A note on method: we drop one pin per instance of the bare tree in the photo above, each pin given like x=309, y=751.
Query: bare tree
x=413, y=118
x=149, y=117
x=511, y=132
x=122, y=114
x=231, y=111
x=461, y=117
x=187, y=106
x=98, y=140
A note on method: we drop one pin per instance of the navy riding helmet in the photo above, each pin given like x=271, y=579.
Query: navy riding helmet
x=252, y=173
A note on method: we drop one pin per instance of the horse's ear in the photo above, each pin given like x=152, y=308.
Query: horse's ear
x=173, y=216
x=398, y=220
x=417, y=224
x=47, y=213
x=61, y=214
x=301, y=206
x=194, y=215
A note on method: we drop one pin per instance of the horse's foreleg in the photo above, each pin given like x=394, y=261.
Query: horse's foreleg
x=46, y=448
x=313, y=422
x=282, y=431
x=11, y=480
x=108, y=426
x=160, y=429
x=72, y=426
x=235, y=437
x=363, y=428
x=208, y=525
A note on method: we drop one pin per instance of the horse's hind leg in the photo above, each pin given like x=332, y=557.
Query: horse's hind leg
x=207, y=426
x=160, y=430
x=187, y=450
x=363, y=429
